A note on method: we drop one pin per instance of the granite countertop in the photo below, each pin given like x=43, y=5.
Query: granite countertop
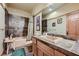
x=68, y=47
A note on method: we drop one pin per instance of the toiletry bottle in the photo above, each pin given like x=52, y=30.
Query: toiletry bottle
x=11, y=36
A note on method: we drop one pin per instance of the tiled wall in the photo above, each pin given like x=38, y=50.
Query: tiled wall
x=16, y=25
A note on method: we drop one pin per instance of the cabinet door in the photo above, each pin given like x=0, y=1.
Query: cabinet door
x=34, y=49
x=57, y=53
x=34, y=40
x=46, y=49
x=39, y=52
x=44, y=54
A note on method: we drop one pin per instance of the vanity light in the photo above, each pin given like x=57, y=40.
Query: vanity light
x=50, y=9
x=54, y=13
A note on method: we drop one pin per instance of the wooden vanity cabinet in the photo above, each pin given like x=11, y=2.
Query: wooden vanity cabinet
x=57, y=53
x=39, y=52
x=46, y=50
x=34, y=47
x=41, y=49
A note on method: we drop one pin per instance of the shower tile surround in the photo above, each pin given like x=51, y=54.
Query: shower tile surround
x=16, y=25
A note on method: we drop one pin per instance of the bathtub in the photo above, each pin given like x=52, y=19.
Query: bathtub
x=20, y=42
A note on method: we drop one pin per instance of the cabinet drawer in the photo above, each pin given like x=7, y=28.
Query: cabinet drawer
x=45, y=48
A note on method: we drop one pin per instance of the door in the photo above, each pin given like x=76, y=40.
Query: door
x=2, y=28
x=77, y=28
x=71, y=26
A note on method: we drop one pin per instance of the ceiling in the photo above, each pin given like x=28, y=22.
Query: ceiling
x=29, y=7
x=24, y=6
x=52, y=8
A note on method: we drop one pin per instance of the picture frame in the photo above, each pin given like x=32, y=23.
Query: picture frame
x=38, y=23
x=53, y=24
x=59, y=21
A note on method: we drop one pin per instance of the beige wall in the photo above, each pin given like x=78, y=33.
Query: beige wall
x=66, y=8
x=39, y=8
x=18, y=12
x=59, y=28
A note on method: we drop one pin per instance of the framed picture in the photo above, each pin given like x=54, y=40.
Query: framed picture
x=59, y=21
x=53, y=24
x=38, y=23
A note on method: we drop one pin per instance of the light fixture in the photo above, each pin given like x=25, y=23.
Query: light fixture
x=50, y=9
x=54, y=13
x=50, y=4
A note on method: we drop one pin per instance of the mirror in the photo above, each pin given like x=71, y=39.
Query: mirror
x=47, y=11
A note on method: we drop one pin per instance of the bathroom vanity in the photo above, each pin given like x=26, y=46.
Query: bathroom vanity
x=52, y=46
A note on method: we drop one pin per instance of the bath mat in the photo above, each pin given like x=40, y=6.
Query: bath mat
x=19, y=52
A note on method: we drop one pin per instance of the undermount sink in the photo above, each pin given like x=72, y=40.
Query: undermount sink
x=48, y=38
x=61, y=42
x=64, y=43
x=43, y=36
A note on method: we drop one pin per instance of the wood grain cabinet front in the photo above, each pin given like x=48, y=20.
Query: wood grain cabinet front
x=34, y=47
x=57, y=53
x=39, y=52
x=46, y=49
x=42, y=49
x=34, y=40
